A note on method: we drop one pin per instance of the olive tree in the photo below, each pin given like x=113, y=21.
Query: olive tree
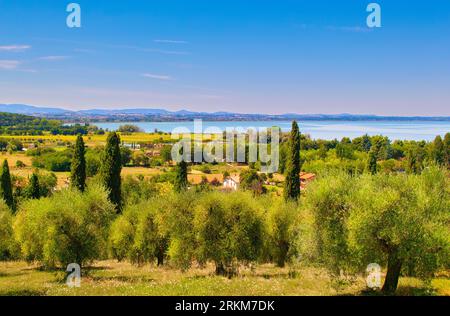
x=69, y=227
x=283, y=231
x=137, y=234
x=402, y=221
x=329, y=199
x=229, y=230
x=178, y=225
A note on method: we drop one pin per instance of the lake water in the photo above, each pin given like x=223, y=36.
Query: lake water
x=402, y=130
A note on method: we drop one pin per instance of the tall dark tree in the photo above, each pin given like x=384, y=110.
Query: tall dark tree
x=292, y=183
x=6, y=185
x=34, y=189
x=366, y=143
x=181, y=180
x=78, y=167
x=447, y=149
x=438, y=151
x=111, y=168
x=372, y=162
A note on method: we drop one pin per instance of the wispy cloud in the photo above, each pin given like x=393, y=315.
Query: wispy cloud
x=54, y=58
x=14, y=48
x=354, y=29
x=160, y=51
x=168, y=41
x=117, y=46
x=158, y=77
x=9, y=64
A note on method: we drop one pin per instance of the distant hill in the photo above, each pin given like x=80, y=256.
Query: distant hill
x=142, y=114
x=12, y=119
x=31, y=110
x=124, y=112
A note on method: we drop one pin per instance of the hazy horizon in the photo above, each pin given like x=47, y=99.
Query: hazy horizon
x=228, y=56
x=208, y=112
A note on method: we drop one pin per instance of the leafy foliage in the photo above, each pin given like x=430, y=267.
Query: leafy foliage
x=228, y=230
x=69, y=227
x=137, y=236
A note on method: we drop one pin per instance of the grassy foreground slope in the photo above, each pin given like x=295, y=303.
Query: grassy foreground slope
x=112, y=278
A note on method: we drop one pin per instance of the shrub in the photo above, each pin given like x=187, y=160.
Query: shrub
x=42, y=185
x=39, y=151
x=93, y=162
x=252, y=181
x=136, y=190
x=59, y=161
x=69, y=227
x=139, y=158
x=20, y=164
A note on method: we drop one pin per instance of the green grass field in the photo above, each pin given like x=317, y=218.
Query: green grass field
x=111, y=278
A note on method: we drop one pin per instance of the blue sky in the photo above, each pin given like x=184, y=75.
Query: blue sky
x=241, y=56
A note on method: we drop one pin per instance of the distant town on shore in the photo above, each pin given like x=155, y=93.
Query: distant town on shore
x=161, y=115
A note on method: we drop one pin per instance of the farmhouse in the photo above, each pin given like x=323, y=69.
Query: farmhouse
x=305, y=178
x=232, y=182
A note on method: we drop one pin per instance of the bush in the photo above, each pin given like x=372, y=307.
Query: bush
x=139, y=158
x=39, y=151
x=47, y=183
x=59, y=161
x=93, y=162
x=20, y=164
x=136, y=190
x=69, y=227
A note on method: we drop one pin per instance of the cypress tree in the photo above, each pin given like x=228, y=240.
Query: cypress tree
x=34, y=191
x=447, y=149
x=372, y=162
x=6, y=185
x=438, y=152
x=292, y=183
x=181, y=181
x=78, y=167
x=111, y=168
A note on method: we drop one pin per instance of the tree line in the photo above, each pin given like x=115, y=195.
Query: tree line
x=18, y=124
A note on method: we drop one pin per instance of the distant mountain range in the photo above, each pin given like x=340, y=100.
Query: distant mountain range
x=142, y=114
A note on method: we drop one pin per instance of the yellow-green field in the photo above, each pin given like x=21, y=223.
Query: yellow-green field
x=195, y=175
x=112, y=278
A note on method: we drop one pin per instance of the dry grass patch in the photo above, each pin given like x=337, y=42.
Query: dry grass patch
x=120, y=278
